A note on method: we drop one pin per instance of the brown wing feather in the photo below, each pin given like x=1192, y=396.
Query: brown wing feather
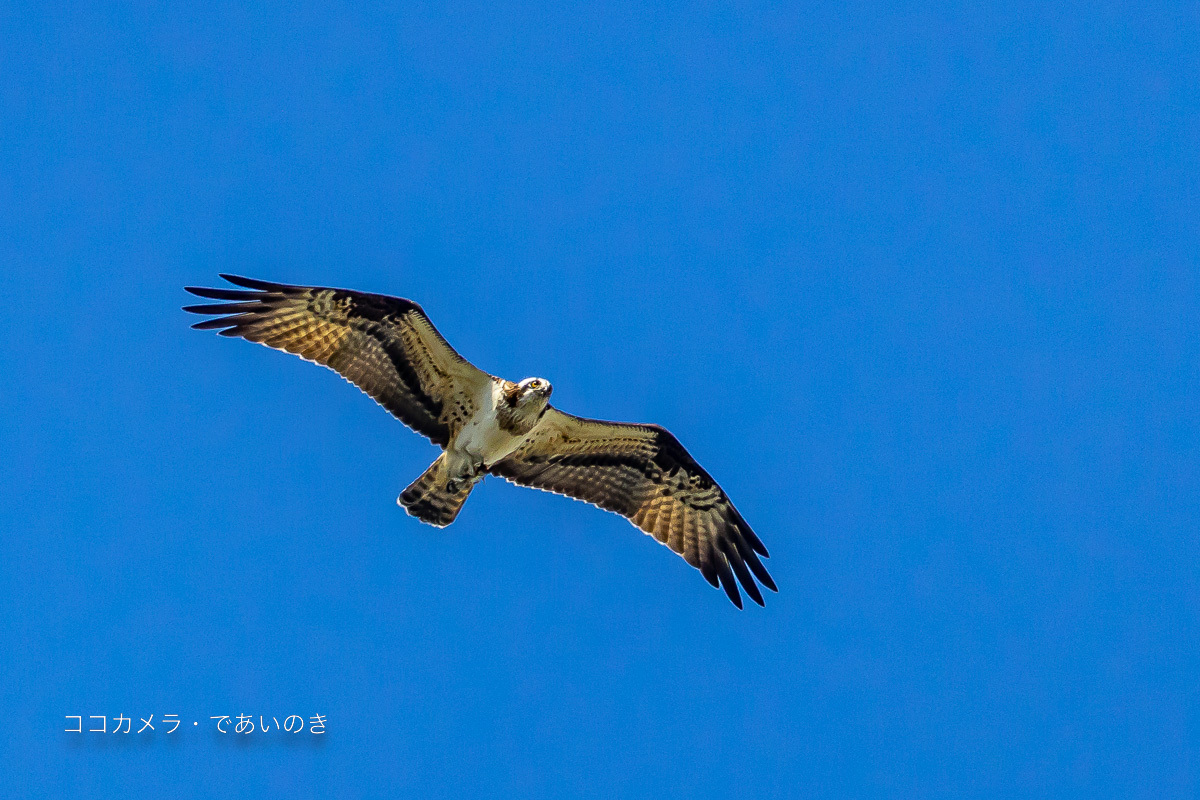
x=385, y=346
x=643, y=473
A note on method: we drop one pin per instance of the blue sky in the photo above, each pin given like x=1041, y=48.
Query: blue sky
x=916, y=282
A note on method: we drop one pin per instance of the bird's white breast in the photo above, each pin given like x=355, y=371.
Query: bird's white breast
x=481, y=437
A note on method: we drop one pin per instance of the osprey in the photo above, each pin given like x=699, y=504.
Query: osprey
x=485, y=425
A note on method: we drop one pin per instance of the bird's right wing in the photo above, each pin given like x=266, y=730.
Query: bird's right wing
x=644, y=474
x=384, y=345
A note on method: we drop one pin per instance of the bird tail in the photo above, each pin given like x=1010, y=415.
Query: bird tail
x=433, y=497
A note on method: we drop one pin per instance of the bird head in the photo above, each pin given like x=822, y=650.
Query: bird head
x=535, y=390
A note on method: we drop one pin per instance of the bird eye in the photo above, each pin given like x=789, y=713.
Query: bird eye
x=535, y=384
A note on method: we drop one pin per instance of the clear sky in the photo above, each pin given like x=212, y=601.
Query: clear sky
x=916, y=282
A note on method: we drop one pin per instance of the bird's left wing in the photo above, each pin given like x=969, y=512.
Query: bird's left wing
x=643, y=473
x=385, y=346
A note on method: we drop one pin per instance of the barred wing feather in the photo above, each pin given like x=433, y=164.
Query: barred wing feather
x=644, y=474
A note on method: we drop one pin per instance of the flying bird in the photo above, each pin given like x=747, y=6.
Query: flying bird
x=388, y=348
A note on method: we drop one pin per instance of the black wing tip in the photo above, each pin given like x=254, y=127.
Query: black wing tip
x=730, y=585
x=734, y=561
x=749, y=586
x=251, y=283
x=750, y=559
x=223, y=294
x=205, y=308
x=753, y=593
x=202, y=291
x=211, y=324
x=764, y=577
x=728, y=582
x=235, y=301
x=233, y=294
